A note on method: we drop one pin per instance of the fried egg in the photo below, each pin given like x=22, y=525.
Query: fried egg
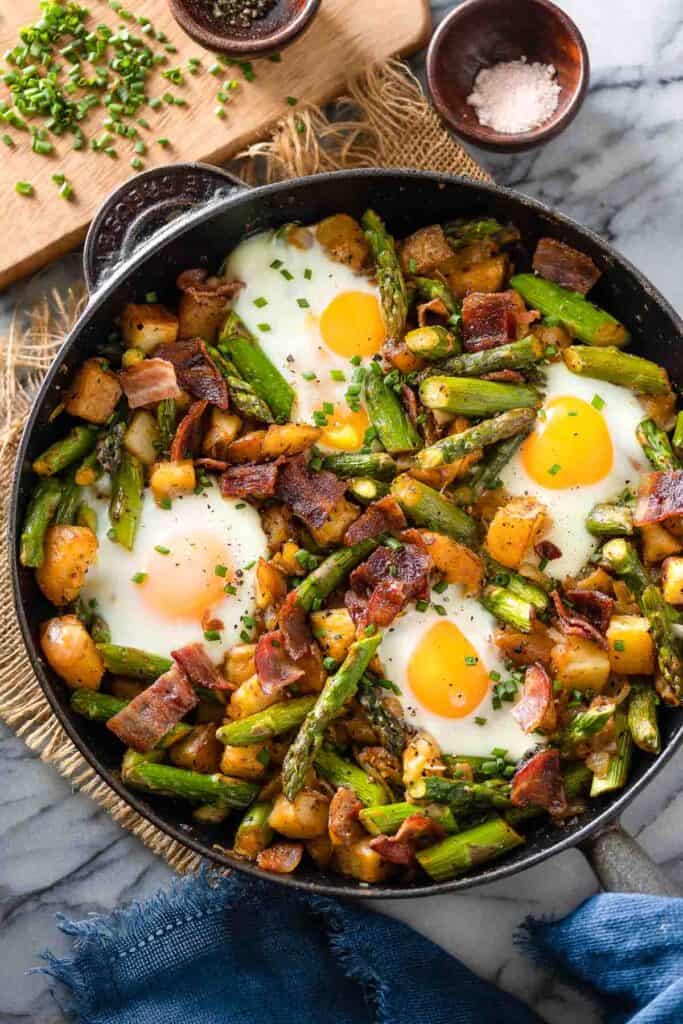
x=446, y=667
x=312, y=316
x=582, y=450
x=191, y=571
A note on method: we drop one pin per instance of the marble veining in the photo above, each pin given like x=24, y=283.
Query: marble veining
x=619, y=170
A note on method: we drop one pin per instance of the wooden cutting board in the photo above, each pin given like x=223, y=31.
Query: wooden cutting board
x=344, y=38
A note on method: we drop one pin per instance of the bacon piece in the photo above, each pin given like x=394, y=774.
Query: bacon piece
x=196, y=370
x=505, y=376
x=343, y=825
x=253, y=480
x=538, y=783
x=212, y=465
x=383, y=516
x=414, y=832
x=150, y=715
x=409, y=399
x=296, y=631
x=547, y=550
x=574, y=623
x=387, y=600
x=389, y=848
x=490, y=319
x=536, y=708
x=189, y=432
x=274, y=668
x=203, y=303
x=568, y=267
x=383, y=585
x=594, y=605
x=431, y=312
x=198, y=667
x=149, y=381
x=310, y=495
x=281, y=858
x=660, y=496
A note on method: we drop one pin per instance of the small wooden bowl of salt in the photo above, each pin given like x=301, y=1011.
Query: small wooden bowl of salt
x=507, y=75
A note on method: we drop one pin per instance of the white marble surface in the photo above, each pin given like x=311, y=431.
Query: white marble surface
x=619, y=169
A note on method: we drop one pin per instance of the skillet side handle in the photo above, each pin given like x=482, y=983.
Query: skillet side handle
x=622, y=865
x=143, y=206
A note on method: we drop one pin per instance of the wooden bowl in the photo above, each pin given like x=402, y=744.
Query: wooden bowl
x=480, y=33
x=280, y=27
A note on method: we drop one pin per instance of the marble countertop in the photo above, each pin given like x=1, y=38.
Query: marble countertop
x=619, y=170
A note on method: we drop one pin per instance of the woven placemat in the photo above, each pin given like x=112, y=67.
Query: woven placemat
x=384, y=121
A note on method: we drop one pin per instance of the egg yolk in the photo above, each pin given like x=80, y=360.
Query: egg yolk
x=571, y=445
x=446, y=674
x=345, y=429
x=189, y=580
x=352, y=325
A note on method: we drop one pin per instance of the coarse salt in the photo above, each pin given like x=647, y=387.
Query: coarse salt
x=515, y=96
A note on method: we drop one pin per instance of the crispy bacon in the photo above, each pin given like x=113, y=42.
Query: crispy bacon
x=252, y=480
x=198, y=667
x=150, y=715
x=490, y=319
x=545, y=549
x=310, y=495
x=189, y=432
x=594, y=605
x=383, y=516
x=660, y=496
x=196, y=370
x=572, y=622
x=536, y=708
x=384, y=584
x=149, y=381
x=281, y=858
x=274, y=668
x=409, y=399
x=431, y=312
x=296, y=631
x=391, y=849
x=568, y=267
x=414, y=832
x=505, y=376
x=212, y=465
x=343, y=825
x=538, y=783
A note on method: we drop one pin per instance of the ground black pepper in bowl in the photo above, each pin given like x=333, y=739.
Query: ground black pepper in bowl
x=241, y=13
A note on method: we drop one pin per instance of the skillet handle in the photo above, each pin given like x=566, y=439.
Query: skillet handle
x=145, y=204
x=622, y=865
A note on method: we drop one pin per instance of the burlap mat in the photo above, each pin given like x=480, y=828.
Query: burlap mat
x=384, y=121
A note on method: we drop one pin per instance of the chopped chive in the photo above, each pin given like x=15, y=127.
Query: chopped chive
x=286, y=274
x=229, y=589
x=151, y=297
x=597, y=402
x=303, y=303
x=440, y=587
x=421, y=606
x=440, y=610
x=164, y=142
x=338, y=375
x=215, y=69
x=211, y=635
x=619, y=645
x=221, y=570
x=480, y=721
x=328, y=408
x=291, y=101
x=260, y=302
x=554, y=469
x=161, y=549
x=308, y=273
x=308, y=375
x=137, y=164
x=24, y=188
x=471, y=660
x=263, y=327
x=7, y=139
x=275, y=58
x=139, y=577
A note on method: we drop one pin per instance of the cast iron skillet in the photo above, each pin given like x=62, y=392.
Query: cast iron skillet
x=219, y=212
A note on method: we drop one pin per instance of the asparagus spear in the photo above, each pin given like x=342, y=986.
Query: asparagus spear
x=41, y=510
x=509, y=608
x=655, y=608
x=430, y=288
x=242, y=395
x=392, y=287
x=459, y=795
x=432, y=342
x=272, y=721
x=125, y=504
x=254, y=366
x=86, y=516
x=498, y=428
x=586, y=724
x=340, y=772
x=164, y=780
x=388, y=818
x=89, y=470
x=486, y=475
x=365, y=490
x=374, y=464
x=320, y=583
x=656, y=446
x=253, y=832
x=518, y=584
x=581, y=318
x=167, y=420
x=606, y=520
x=72, y=448
x=642, y=719
x=387, y=414
x=68, y=504
x=466, y=396
x=427, y=507
x=458, y=853
x=621, y=557
x=516, y=355
x=132, y=662
x=677, y=439
x=616, y=367
x=100, y=707
x=389, y=728
x=464, y=231
x=619, y=763
x=337, y=690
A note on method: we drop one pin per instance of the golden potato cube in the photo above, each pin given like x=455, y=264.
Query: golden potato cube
x=304, y=817
x=485, y=276
x=146, y=325
x=338, y=520
x=320, y=850
x=580, y=664
x=457, y=563
x=514, y=529
x=249, y=698
x=421, y=756
x=631, y=648
x=71, y=652
x=658, y=543
x=271, y=585
x=335, y=631
x=342, y=238
x=69, y=551
x=247, y=448
x=246, y=762
x=360, y=861
x=672, y=580
x=289, y=439
x=94, y=392
x=287, y=561
x=142, y=437
x=169, y=479
x=598, y=579
x=240, y=663
x=199, y=751
x=223, y=429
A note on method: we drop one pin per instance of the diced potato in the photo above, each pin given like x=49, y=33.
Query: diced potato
x=339, y=518
x=240, y=663
x=514, y=529
x=598, y=579
x=246, y=762
x=360, y=861
x=425, y=250
x=169, y=479
x=125, y=688
x=271, y=585
x=249, y=698
x=247, y=448
x=631, y=648
x=486, y=276
x=199, y=751
x=457, y=563
x=71, y=652
x=223, y=429
x=672, y=580
x=142, y=437
x=421, y=756
x=320, y=850
x=342, y=238
x=289, y=439
x=624, y=601
x=335, y=631
x=525, y=648
x=400, y=356
x=146, y=325
x=94, y=392
x=660, y=408
x=277, y=524
x=580, y=664
x=304, y=817
x=287, y=561
x=69, y=553
x=556, y=336
x=658, y=543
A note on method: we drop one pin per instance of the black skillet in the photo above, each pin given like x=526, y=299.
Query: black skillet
x=138, y=243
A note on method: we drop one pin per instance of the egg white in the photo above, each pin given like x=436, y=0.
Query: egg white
x=132, y=622
x=454, y=735
x=569, y=507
